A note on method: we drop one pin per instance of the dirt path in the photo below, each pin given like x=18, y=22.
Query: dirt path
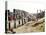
x=32, y=26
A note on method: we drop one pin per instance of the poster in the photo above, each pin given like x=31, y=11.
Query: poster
x=24, y=16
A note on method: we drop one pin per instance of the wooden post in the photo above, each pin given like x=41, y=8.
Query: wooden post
x=14, y=18
x=5, y=21
x=6, y=13
x=9, y=19
x=19, y=21
x=19, y=18
x=24, y=21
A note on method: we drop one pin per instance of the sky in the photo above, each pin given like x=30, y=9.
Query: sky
x=30, y=6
